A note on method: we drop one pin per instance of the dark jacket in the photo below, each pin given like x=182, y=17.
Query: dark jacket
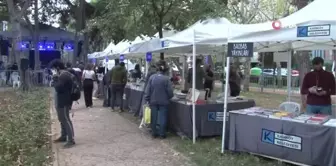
x=107, y=78
x=136, y=74
x=63, y=87
x=208, y=81
x=234, y=82
x=118, y=75
x=159, y=90
x=199, y=77
x=72, y=71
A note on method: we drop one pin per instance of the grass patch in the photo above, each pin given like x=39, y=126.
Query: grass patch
x=207, y=152
x=24, y=127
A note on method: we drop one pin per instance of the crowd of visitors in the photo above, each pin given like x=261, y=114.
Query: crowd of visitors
x=318, y=85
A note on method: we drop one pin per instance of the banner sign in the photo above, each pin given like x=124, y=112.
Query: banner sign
x=240, y=49
x=148, y=56
x=280, y=139
x=165, y=44
x=313, y=30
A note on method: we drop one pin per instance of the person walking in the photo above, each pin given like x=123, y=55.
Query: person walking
x=88, y=78
x=63, y=84
x=107, y=93
x=158, y=92
x=118, y=82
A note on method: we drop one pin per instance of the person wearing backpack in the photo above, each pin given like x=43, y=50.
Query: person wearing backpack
x=64, y=87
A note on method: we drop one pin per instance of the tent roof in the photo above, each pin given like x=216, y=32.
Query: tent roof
x=266, y=38
x=201, y=30
x=47, y=32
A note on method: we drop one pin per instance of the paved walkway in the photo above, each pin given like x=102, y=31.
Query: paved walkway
x=104, y=138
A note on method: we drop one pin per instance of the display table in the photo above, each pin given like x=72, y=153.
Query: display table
x=209, y=117
x=133, y=98
x=293, y=141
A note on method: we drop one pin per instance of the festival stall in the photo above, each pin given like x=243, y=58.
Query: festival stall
x=192, y=117
x=283, y=133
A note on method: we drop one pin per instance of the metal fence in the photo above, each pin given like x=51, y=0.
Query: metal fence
x=29, y=78
x=274, y=84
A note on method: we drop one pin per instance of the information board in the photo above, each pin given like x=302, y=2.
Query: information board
x=240, y=49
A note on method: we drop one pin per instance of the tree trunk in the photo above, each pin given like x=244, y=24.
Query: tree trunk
x=85, y=48
x=36, y=37
x=304, y=66
x=303, y=56
x=160, y=30
x=333, y=70
x=246, y=85
x=16, y=39
x=76, y=48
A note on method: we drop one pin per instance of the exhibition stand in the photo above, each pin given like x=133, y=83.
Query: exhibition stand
x=293, y=139
x=209, y=115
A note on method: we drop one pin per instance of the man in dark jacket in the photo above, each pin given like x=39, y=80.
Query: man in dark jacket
x=63, y=84
x=158, y=93
x=118, y=82
x=152, y=70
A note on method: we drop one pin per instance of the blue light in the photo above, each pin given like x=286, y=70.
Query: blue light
x=23, y=45
x=41, y=46
x=49, y=45
x=68, y=46
x=148, y=56
x=121, y=58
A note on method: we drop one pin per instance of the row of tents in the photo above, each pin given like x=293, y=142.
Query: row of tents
x=311, y=28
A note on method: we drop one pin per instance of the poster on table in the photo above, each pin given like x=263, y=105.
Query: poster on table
x=190, y=95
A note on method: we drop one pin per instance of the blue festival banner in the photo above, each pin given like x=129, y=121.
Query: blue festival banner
x=148, y=56
x=122, y=58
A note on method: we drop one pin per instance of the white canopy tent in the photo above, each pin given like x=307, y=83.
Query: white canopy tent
x=181, y=42
x=315, y=19
x=313, y=27
x=147, y=44
x=108, y=50
x=202, y=34
x=118, y=48
x=94, y=55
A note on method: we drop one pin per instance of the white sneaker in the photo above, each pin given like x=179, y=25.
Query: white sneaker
x=94, y=98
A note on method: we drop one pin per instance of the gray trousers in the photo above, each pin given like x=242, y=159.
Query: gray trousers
x=66, y=124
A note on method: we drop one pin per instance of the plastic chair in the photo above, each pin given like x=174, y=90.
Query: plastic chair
x=15, y=77
x=290, y=107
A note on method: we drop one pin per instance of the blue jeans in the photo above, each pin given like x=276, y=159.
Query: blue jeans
x=159, y=113
x=319, y=109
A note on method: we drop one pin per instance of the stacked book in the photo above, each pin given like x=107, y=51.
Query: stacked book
x=318, y=119
x=282, y=115
x=303, y=118
x=331, y=123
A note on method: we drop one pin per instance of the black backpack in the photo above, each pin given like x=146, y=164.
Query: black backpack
x=76, y=90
